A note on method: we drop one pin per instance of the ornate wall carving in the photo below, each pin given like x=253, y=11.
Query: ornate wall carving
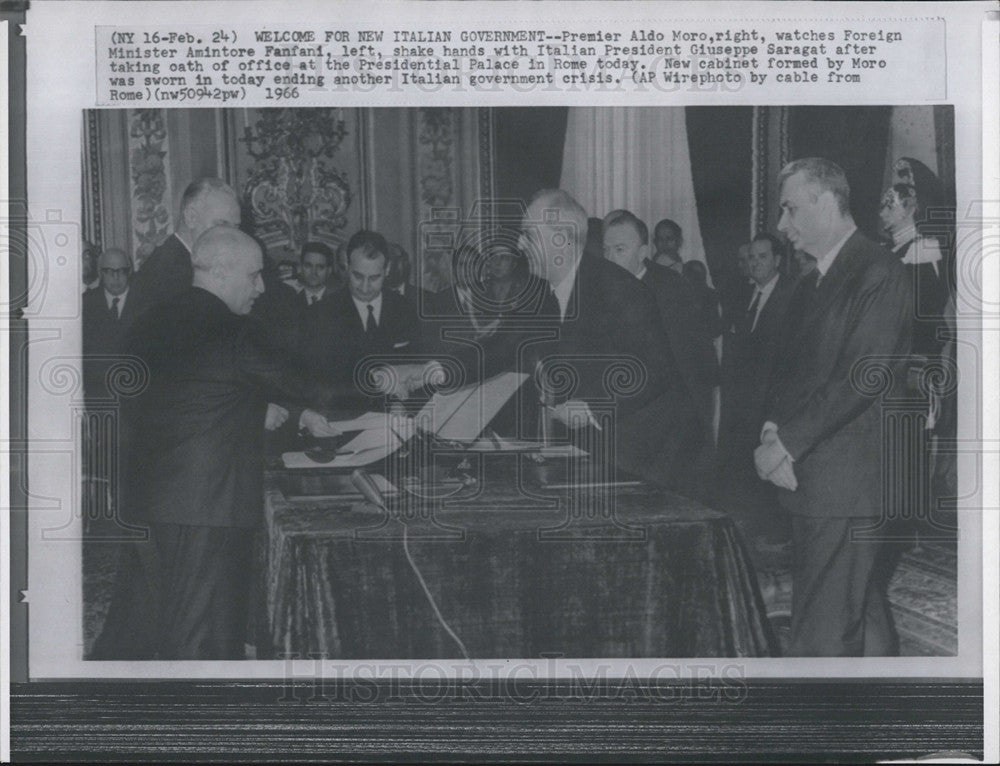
x=294, y=187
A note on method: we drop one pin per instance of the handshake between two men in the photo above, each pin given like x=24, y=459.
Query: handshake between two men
x=397, y=381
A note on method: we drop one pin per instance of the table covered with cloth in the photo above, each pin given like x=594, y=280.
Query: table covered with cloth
x=514, y=574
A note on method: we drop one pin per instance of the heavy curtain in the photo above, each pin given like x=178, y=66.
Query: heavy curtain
x=635, y=158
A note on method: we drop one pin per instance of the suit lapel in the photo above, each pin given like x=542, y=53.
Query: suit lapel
x=774, y=304
x=847, y=262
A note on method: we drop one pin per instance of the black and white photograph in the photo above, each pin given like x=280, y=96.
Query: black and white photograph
x=595, y=363
x=478, y=381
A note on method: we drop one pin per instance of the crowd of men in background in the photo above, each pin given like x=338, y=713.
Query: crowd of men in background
x=749, y=382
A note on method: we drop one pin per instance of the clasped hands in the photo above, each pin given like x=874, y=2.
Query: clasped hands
x=396, y=381
x=309, y=420
x=773, y=462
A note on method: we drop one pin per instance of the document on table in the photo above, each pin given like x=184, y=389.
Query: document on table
x=459, y=416
x=462, y=415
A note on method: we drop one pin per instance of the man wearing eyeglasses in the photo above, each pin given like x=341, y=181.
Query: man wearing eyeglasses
x=108, y=311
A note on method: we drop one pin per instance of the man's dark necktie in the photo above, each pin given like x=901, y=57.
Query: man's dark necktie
x=752, y=311
x=312, y=299
x=370, y=323
x=114, y=309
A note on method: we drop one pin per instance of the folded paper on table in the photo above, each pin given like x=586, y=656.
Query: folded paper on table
x=500, y=444
x=366, y=422
x=459, y=416
x=463, y=414
x=364, y=449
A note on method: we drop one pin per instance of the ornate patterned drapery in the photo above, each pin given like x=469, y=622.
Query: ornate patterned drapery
x=150, y=197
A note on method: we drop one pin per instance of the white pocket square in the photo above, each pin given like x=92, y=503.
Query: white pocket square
x=400, y=345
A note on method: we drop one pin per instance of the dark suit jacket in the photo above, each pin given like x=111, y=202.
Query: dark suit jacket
x=690, y=340
x=502, y=340
x=166, y=272
x=748, y=362
x=827, y=409
x=104, y=337
x=931, y=294
x=193, y=437
x=612, y=322
x=343, y=336
x=276, y=314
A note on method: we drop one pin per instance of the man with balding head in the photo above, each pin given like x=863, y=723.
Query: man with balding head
x=607, y=320
x=109, y=309
x=206, y=202
x=193, y=473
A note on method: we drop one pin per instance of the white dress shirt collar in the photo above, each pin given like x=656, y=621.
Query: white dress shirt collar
x=764, y=293
x=362, y=307
x=565, y=288
x=186, y=245
x=109, y=298
x=315, y=294
x=824, y=263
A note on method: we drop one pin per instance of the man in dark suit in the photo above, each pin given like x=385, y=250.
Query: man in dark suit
x=192, y=445
x=736, y=286
x=750, y=349
x=608, y=323
x=668, y=239
x=316, y=265
x=109, y=308
x=206, y=202
x=313, y=306
x=108, y=311
x=822, y=443
x=626, y=243
x=366, y=320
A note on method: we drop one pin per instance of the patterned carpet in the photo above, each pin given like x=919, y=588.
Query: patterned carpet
x=923, y=595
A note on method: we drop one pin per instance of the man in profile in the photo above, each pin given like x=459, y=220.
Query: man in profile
x=626, y=243
x=668, y=239
x=193, y=460
x=206, y=202
x=607, y=321
x=822, y=443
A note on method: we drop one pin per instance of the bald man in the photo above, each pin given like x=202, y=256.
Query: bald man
x=193, y=473
x=109, y=308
